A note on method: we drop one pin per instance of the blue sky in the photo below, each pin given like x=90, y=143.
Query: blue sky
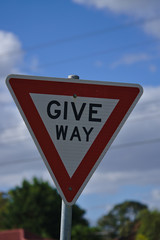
x=105, y=40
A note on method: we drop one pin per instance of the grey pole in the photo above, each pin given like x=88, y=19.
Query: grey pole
x=66, y=210
x=66, y=222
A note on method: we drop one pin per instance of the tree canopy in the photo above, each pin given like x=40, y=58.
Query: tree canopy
x=80, y=232
x=120, y=220
x=36, y=206
x=149, y=225
x=3, y=207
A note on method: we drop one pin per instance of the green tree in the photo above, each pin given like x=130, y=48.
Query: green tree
x=81, y=232
x=141, y=237
x=120, y=221
x=36, y=206
x=78, y=216
x=3, y=209
x=149, y=224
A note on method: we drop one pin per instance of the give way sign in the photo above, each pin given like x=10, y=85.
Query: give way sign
x=73, y=123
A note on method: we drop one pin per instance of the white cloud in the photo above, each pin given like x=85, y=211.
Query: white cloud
x=11, y=56
x=125, y=6
x=13, y=178
x=11, y=53
x=151, y=95
x=156, y=194
x=14, y=134
x=152, y=28
x=152, y=198
x=138, y=9
x=131, y=59
x=116, y=180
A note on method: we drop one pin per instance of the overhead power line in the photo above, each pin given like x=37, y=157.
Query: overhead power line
x=93, y=33
x=82, y=36
x=99, y=53
x=18, y=138
x=114, y=147
x=137, y=143
x=26, y=160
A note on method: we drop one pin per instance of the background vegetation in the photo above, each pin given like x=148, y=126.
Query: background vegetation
x=36, y=207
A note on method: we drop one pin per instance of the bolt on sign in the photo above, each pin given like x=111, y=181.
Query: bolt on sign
x=73, y=123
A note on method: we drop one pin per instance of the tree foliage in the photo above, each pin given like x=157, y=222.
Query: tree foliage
x=80, y=232
x=141, y=237
x=36, y=206
x=149, y=225
x=120, y=220
x=3, y=209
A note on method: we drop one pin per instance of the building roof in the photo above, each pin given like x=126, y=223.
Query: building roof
x=19, y=234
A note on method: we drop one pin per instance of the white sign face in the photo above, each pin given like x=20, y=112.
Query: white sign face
x=73, y=123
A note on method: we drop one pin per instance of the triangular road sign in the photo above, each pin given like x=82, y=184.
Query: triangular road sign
x=73, y=123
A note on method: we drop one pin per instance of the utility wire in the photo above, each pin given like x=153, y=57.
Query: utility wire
x=19, y=161
x=114, y=147
x=82, y=36
x=146, y=117
x=94, y=33
x=139, y=118
x=98, y=53
x=13, y=139
x=137, y=143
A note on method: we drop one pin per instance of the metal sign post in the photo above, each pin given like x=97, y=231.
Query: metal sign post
x=66, y=210
x=66, y=221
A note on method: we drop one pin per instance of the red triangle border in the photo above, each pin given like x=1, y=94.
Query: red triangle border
x=128, y=95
